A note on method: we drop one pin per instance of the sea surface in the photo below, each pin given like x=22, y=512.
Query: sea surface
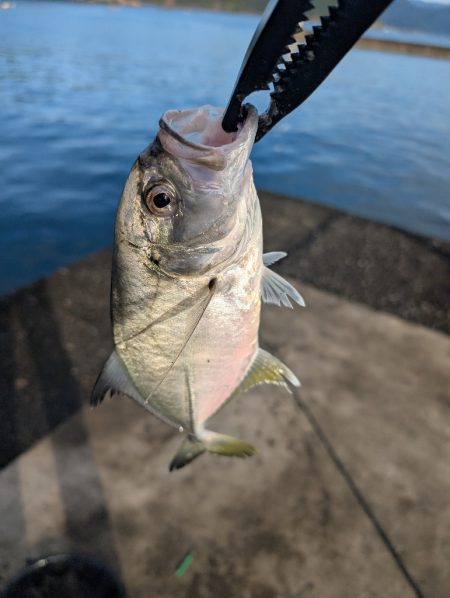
x=82, y=88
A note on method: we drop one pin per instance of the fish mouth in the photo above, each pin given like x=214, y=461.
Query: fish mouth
x=196, y=135
x=198, y=128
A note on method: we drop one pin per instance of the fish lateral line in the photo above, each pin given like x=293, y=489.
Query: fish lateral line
x=211, y=289
x=177, y=309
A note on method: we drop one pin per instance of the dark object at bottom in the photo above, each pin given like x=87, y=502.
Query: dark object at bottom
x=66, y=575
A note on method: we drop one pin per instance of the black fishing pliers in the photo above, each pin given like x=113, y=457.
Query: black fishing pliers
x=293, y=65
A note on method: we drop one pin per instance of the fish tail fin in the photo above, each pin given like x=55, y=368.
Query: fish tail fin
x=190, y=449
x=220, y=444
x=228, y=446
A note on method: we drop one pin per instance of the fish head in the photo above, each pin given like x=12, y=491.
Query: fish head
x=186, y=199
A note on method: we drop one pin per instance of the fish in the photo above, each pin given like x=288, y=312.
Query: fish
x=188, y=277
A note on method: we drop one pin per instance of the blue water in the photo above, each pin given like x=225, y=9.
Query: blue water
x=82, y=88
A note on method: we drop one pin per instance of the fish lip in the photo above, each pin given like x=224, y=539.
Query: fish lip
x=168, y=129
x=243, y=129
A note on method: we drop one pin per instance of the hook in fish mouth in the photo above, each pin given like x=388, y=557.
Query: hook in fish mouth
x=197, y=128
x=196, y=135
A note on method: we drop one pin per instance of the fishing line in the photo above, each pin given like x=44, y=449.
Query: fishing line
x=358, y=495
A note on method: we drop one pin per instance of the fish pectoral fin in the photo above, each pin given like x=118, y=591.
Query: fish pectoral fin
x=228, y=446
x=267, y=369
x=274, y=288
x=112, y=379
x=190, y=449
x=273, y=256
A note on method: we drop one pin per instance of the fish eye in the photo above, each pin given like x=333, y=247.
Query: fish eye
x=161, y=199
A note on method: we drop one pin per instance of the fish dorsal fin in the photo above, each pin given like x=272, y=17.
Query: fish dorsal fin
x=112, y=379
x=273, y=256
x=274, y=289
x=267, y=369
x=202, y=308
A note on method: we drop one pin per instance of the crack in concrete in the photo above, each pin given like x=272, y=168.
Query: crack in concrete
x=358, y=495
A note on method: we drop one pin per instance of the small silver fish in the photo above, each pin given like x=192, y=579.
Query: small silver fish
x=187, y=281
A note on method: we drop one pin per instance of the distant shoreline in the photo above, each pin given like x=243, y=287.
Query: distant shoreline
x=366, y=43
x=414, y=48
x=168, y=6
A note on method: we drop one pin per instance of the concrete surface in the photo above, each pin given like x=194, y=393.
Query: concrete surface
x=381, y=266
x=286, y=522
x=349, y=493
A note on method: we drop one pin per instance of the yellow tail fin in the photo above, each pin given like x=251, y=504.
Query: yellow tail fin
x=220, y=444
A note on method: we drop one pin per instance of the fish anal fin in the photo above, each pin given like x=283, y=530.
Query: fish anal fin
x=190, y=449
x=267, y=369
x=276, y=290
x=113, y=378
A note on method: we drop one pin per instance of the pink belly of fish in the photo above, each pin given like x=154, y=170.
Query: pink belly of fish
x=224, y=347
